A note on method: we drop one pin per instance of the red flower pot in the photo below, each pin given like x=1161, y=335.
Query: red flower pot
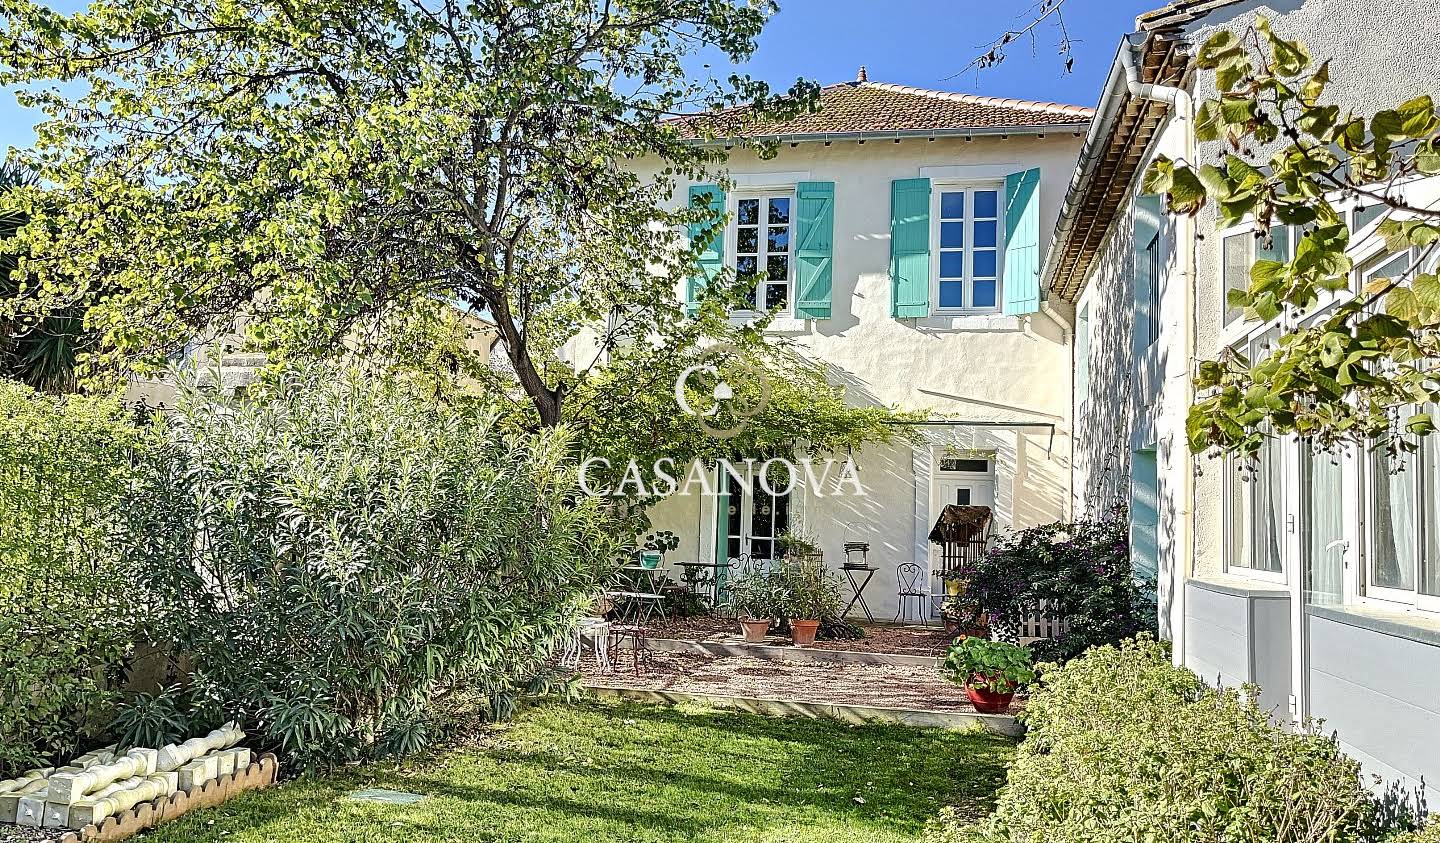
x=987, y=701
x=754, y=630
x=803, y=632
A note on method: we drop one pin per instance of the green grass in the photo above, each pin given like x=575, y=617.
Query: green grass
x=598, y=772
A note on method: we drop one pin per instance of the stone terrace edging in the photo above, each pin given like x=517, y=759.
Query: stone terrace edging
x=1000, y=724
x=787, y=653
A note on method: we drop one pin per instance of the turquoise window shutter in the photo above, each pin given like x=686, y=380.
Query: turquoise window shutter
x=814, y=248
x=712, y=260
x=910, y=248
x=1022, y=243
x=1149, y=209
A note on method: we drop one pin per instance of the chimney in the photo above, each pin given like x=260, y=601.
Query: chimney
x=860, y=77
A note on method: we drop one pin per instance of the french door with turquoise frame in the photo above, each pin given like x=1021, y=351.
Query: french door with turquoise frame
x=754, y=519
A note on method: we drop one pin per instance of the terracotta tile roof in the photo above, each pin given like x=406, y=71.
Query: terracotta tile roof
x=862, y=106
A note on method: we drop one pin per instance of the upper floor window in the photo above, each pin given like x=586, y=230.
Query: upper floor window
x=762, y=247
x=1240, y=251
x=969, y=230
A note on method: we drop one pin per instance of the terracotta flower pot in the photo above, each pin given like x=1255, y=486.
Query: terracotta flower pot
x=987, y=701
x=803, y=632
x=754, y=629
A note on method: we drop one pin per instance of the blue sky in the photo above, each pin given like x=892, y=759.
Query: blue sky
x=907, y=42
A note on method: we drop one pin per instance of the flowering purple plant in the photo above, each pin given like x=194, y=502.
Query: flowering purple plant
x=1080, y=570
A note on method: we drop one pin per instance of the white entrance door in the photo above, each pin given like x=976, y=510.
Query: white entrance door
x=965, y=482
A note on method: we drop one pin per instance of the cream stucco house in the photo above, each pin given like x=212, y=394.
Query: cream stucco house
x=1317, y=579
x=901, y=231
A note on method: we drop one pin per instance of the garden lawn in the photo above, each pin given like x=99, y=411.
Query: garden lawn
x=630, y=772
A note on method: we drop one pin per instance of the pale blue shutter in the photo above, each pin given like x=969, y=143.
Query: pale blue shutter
x=910, y=248
x=1022, y=243
x=1148, y=210
x=712, y=259
x=814, y=248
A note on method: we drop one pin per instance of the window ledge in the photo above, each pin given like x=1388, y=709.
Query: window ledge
x=1409, y=625
x=780, y=325
x=1241, y=587
x=969, y=322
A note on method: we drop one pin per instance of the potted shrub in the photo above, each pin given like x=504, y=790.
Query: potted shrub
x=990, y=671
x=811, y=594
x=754, y=602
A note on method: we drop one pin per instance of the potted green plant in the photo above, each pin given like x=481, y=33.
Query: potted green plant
x=811, y=594
x=754, y=601
x=798, y=546
x=990, y=671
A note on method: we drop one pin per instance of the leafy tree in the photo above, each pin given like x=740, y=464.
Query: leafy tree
x=318, y=169
x=1294, y=159
x=39, y=351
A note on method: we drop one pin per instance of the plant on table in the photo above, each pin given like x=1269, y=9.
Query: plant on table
x=798, y=545
x=990, y=671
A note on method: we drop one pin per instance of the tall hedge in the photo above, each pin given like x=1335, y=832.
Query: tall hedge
x=1123, y=746
x=340, y=557
x=68, y=607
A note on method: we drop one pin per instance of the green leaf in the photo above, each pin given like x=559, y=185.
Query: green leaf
x=1289, y=58
x=1315, y=85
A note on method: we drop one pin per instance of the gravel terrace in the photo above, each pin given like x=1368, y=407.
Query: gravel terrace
x=891, y=686
x=879, y=638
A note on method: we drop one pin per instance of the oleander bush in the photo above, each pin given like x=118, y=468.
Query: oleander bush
x=69, y=609
x=342, y=554
x=1121, y=745
x=1081, y=570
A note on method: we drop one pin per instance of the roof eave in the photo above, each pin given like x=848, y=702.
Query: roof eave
x=1074, y=127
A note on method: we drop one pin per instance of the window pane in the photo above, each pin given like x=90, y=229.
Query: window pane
x=775, y=295
x=952, y=206
x=952, y=235
x=778, y=267
x=1269, y=506
x=985, y=233
x=983, y=263
x=1366, y=215
x=1393, y=525
x=1323, y=582
x=1237, y=270
x=984, y=292
x=747, y=240
x=1237, y=525
x=952, y=293
x=749, y=212
x=780, y=210
x=1430, y=565
x=779, y=239
x=986, y=203
x=952, y=264
x=746, y=266
x=1279, y=245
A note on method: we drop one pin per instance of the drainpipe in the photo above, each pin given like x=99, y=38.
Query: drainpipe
x=1182, y=108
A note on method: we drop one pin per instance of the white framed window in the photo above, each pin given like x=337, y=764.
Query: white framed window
x=1255, y=497
x=968, y=228
x=762, y=239
x=1240, y=248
